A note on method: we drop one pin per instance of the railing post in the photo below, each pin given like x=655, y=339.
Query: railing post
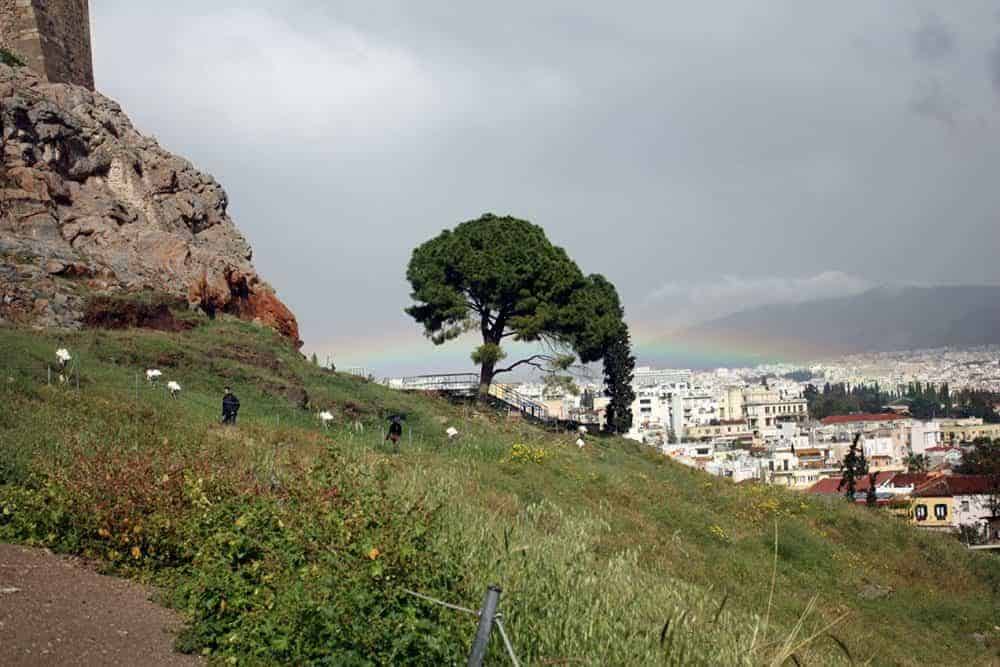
x=486, y=616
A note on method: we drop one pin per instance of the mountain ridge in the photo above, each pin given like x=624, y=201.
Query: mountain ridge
x=881, y=319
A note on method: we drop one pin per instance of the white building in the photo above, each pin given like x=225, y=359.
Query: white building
x=766, y=408
x=654, y=377
x=924, y=436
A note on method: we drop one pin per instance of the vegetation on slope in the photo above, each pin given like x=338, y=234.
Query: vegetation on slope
x=283, y=541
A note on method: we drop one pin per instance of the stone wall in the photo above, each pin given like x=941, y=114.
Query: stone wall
x=51, y=36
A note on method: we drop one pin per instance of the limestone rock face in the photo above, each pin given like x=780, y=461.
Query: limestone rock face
x=87, y=204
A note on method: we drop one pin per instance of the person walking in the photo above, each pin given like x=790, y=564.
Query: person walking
x=230, y=407
x=395, y=431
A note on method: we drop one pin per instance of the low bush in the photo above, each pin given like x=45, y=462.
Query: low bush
x=10, y=59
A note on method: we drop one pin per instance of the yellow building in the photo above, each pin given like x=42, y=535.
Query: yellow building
x=726, y=430
x=933, y=512
x=960, y=430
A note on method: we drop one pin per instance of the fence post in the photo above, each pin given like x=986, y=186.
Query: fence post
x=486, y=616
x=49, y=375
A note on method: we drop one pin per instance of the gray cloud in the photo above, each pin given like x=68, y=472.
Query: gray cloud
x=933, y=41
x=931, y=100
x=993, y=64
x=659, y=143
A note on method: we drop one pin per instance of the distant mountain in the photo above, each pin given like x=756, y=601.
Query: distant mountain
x=879, y=320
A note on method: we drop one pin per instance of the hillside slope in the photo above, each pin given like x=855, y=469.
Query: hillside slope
x=879, y=320
x=283, y=541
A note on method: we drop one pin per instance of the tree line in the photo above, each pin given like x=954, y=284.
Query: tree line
x=925, y=401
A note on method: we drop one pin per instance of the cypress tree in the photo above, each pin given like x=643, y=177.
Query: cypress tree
x=853, y=468
x=619, y=370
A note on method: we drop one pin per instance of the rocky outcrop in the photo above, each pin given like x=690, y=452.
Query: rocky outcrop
x=88, y=204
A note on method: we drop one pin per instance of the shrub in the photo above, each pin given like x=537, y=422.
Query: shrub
x=520, y=453
x=10, y=59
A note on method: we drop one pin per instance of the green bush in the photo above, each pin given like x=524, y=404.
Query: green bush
x=9, y=59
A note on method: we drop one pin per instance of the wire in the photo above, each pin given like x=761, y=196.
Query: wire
x=506, y=641
x=441, y=602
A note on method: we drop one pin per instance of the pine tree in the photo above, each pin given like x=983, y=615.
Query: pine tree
x=619, y=370
x=853, y=468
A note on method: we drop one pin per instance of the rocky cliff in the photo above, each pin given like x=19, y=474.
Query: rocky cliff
x=89, y=205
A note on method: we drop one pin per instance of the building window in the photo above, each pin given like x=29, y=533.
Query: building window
x=965, y=505
x=920, y=512
x=940, y=512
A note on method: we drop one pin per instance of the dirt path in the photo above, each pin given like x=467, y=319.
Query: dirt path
x=56, y=612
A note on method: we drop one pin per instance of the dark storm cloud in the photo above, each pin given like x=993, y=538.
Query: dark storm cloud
x=731, y=149
x=932, y=41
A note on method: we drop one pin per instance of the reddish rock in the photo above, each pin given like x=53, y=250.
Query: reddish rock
x=85, y=194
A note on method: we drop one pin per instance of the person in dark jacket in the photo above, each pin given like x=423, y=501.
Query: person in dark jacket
x=395, y=431
x=230, y=407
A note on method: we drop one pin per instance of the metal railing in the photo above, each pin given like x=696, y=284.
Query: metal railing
x=468, y=383
x=443, y=382
x=515, y=399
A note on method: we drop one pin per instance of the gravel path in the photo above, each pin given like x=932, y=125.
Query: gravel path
x=54, y=611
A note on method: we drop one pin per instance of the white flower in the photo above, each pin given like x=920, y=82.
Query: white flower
x=152, y=374
x=174, y=387
x=451, y=432
x=580, y=443
x=325, y=416
x=62, y=354
x=582, y=430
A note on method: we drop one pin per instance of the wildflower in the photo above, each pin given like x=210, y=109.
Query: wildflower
x=104, y=532
x=136, y=553
x=373, y=553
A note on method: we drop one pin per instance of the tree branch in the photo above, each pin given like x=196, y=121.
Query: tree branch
x=530, y=361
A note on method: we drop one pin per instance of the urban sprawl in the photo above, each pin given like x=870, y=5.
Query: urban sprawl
x=793, y=425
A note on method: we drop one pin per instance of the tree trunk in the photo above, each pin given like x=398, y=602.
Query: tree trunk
x=485, y=380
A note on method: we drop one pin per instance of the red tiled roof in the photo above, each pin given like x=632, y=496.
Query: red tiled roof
x=826, y=486
x=859, y=417
x=909, y=479
x=942, y=448
x=956, y=485
x=829, y=485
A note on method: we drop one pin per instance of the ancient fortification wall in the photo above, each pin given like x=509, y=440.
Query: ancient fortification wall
x=51, y=36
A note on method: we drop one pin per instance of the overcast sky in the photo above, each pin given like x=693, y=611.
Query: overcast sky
x=705, y=156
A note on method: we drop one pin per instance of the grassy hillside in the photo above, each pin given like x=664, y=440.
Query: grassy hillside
x=283, y=541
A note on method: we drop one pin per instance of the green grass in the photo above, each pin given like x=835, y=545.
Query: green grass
x=282, y=541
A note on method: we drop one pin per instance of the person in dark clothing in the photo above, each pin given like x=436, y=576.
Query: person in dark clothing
x=395, y=431
x=230, y=407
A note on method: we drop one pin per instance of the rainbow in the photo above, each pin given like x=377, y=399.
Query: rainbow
x=689, y=349
x=405, y=351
